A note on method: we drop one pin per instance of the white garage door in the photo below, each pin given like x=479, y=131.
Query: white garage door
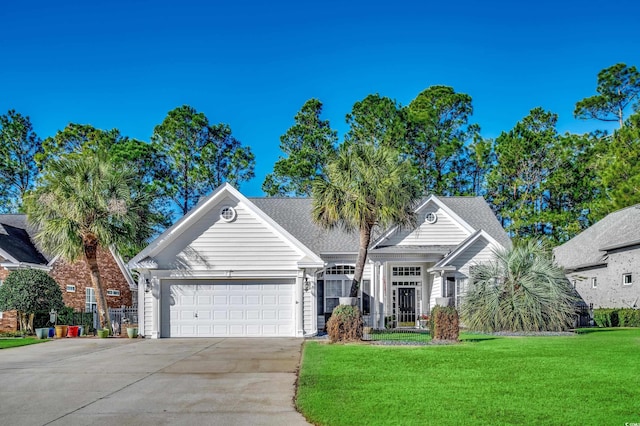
x=197, y=308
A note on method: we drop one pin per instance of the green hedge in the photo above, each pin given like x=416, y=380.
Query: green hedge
x=623, y=317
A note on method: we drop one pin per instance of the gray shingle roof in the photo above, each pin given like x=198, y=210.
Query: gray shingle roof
x=294, y=215
x=15, y=239
x=617, y=229
x=477, y=213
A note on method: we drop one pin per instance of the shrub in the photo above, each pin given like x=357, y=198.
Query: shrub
x=345, y=324
x=444, y=323
x=605, y=317
x=520, y=290
x=29, y=291
x=613, y=317
x=629, y=317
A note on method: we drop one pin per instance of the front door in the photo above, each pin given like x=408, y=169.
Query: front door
x=406, y=307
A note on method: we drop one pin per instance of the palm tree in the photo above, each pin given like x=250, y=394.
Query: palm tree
x=521, y=290
x=365, y=187
x=84, y=202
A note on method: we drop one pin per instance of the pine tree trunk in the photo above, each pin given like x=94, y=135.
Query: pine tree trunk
x=91, y=256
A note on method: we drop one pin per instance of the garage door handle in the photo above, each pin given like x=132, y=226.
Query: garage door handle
x=195, y=315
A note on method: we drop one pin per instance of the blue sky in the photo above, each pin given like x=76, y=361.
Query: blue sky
x=125, y=64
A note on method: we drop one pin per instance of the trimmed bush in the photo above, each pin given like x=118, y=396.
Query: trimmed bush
x=345, y=324
x=605, y=317
x=629, y=317
x=613, y=317
x=444, y=323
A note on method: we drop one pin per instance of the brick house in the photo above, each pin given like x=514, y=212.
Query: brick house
x=17, y=250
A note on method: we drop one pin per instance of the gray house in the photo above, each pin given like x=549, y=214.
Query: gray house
x=603, y=262
x=240, y=267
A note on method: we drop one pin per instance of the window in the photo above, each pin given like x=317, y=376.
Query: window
x=227, y=214
x=333, y=289
x=449, y=289
x=462, y=284
x=90, y=303
x=406, y=271
x=337, y=283
x=341, y=270
x=112, y=292
x=627, y=279
x=71, y=288
x=594, y=282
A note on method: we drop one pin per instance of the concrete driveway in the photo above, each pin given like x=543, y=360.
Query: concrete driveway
x=150, y=382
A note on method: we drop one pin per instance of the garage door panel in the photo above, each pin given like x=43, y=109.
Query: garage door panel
x=220, y=315
x=220, y=300
x=232, y=309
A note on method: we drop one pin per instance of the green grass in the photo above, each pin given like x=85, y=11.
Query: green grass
x=592, y=378
x=15, y=342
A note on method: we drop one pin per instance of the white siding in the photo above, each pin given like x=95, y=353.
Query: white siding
x=246, y=243
x=308, y=311
x=148, y=314
x=445, y=231
x=479, y=252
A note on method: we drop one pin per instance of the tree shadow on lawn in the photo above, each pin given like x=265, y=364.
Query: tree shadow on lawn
x=601, y=330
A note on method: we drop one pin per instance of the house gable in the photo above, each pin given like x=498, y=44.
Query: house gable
x=448, y=229
x=478, y=248
x=204, y=241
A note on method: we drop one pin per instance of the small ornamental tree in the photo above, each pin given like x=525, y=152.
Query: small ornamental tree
x=29, y=291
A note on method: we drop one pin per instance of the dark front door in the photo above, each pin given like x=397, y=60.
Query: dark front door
x=407, y=307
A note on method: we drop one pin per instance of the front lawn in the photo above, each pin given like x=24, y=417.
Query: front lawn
x=590, y=378
x=14, y=342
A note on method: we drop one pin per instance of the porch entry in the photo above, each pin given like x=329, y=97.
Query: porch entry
x=406, y=297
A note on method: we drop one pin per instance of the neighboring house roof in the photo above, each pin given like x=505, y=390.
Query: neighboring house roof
x=589, y=248
x=16, y=244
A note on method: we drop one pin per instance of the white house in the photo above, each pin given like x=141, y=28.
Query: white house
x=240, y=267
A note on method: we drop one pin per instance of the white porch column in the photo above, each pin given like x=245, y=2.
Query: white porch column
x=380, y=301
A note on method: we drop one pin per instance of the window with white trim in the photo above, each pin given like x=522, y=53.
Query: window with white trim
x=227, y=214
x=594, y=282
x=71, y=288
x=462, y=285
x=90, y=302
x=627, y=279
x=112, y=292
x=337, y=283
x=406, y=271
